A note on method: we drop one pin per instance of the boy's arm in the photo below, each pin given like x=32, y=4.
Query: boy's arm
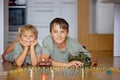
x=9, y=49
x=60, y=64
x=11, y=46
x=67, y=64
x=20, y=59
x=34, y=57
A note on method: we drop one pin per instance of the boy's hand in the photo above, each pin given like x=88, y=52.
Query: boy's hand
x=18, y=36
x=34, y=43
x=23, y=44
x=75, y=64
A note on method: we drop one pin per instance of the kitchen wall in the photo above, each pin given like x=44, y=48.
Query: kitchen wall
x=1, y=26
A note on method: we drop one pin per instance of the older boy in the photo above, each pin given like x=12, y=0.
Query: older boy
x=59, y=46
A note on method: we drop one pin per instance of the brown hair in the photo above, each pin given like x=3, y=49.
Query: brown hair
x=60, y=21
x=29, y=27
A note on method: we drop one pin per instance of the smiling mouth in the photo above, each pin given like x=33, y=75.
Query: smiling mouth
x=27, y=43
x=59, y=38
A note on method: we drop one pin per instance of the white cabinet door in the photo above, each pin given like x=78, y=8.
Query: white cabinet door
x=1, y=27
x=69, y=12
x=45, y=3
x=38, y=14
x=117, y=30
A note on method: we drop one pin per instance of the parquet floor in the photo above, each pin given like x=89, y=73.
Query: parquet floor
x=104, y=58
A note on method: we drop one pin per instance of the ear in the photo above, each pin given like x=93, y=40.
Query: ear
x=50, y=34
x=67, y=34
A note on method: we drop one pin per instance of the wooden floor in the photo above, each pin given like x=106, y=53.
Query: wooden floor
x=104, y=59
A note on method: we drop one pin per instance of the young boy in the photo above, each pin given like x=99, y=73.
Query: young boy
x=59, y=46
x=26, y=50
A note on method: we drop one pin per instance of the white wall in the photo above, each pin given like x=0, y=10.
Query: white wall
x=117, y=30
x=1, y=26
x=101, y=17
x=104, y=18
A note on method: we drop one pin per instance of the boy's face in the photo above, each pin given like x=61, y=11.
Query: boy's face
x=58, y=34
x=28, y=38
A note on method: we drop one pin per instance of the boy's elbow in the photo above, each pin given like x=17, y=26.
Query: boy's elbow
x=19, y=65
x=34, y=64
x=3, y=57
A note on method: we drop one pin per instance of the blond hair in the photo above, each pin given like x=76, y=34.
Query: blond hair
x=29, y=27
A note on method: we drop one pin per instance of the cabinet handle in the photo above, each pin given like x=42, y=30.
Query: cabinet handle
x=44, y=3
x=43, y=10
x=67, y=2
